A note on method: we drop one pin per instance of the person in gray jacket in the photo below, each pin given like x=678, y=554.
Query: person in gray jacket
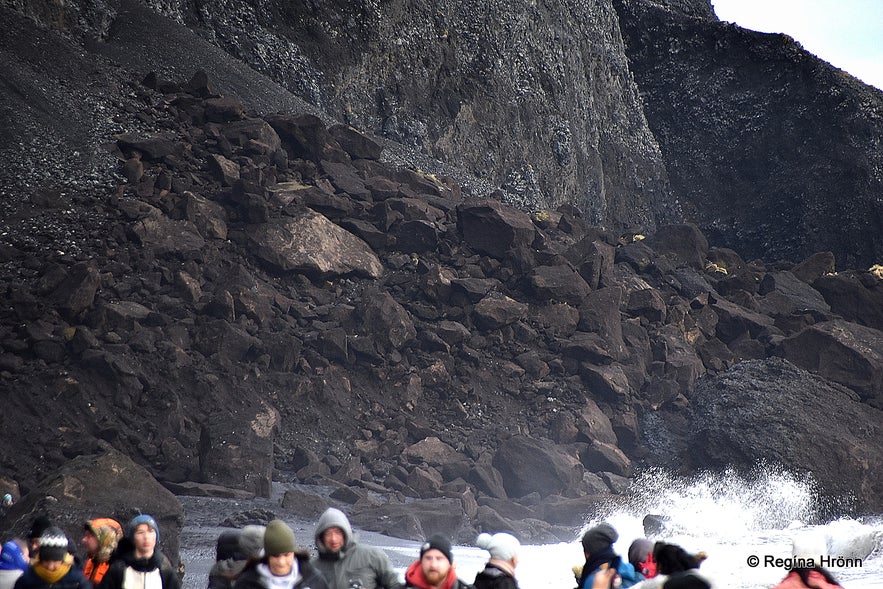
x=345, y=563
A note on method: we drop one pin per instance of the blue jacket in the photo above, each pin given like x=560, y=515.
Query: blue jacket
x=626, y=571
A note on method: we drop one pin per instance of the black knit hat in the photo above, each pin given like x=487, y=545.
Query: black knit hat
x=440, y=543
x=598, y=538
x=40, y=525
x=53, y=545
x=228, y=546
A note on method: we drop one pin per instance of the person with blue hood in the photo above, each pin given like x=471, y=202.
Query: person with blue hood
x=345, y=563
x=139, y=563
x=598, y=548
x=14, y=560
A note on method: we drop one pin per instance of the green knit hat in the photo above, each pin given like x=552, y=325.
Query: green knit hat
x=278, y=538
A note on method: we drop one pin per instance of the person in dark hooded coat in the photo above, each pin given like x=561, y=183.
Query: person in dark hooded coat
x=347, y=564
x=235, y=548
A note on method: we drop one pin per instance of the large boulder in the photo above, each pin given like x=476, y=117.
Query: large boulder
x=673, y=348
x=843, y=352
x=558, y=283
x=107, y=484
x=305, y=136
x=784, y=294
x=600, y=314
x=494, y=312
x=236, y=449
x=857, y=296
x=76, y=292
x=768, y=410
x=308, y=242
x=736, y=323
x=683, y=243
x=356, y=144
x=593, y=258
x=531, y=465
x=416, y=520
x=438, y=454
x=493, y=228
x=386, y=320
x=209, y=218
x=593, y=424
x=168, y=237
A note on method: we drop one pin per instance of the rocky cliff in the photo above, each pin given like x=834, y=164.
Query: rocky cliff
x=215, y=278
x=770, y=149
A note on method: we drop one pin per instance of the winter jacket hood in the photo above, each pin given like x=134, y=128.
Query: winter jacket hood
x=333, y=518
x=12, y=559
x=108, y=532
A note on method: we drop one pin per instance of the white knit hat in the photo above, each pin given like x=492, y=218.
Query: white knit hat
x=502, y=545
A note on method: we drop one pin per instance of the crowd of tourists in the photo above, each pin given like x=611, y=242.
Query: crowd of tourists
x=267, y=557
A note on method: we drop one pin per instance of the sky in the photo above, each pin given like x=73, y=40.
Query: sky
x=846, y=33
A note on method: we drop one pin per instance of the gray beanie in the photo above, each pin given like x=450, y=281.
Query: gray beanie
x=599, y=538
x=251, y=541
x=502, y=545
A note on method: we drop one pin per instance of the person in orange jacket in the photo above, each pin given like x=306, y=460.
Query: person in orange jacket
x=100, y=539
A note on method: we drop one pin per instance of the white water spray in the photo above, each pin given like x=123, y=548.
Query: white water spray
x=731, y=516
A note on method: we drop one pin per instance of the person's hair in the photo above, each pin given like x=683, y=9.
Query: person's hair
x=671, y=558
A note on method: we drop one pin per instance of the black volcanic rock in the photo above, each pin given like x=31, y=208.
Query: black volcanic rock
x=842, y=352
x=107, y=483
x=772, y=150
x=447, y=103
x=164, y=307
x=767, y=410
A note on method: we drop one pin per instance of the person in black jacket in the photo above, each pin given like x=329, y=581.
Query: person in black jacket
x=139, y=564
x=283, y=566
x=235, y=549
x=54, y=567
x=499, y=572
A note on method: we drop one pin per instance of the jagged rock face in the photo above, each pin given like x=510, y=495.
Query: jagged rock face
x=771, y=149
x=541, y=103
x=143, y=306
